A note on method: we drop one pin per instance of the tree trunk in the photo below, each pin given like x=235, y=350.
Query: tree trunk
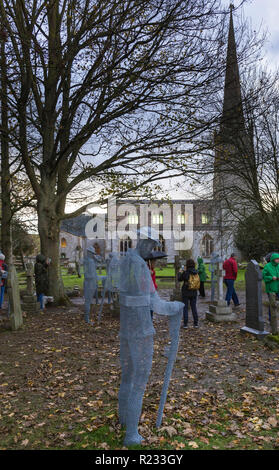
x=6, y=213
x=22, y=260
x=49, y=231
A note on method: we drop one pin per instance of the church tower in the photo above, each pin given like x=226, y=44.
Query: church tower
x=232, y=142
x=232, y=145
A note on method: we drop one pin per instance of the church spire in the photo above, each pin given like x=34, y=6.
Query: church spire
x=232, y=117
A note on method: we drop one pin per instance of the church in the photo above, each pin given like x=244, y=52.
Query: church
x=202, y=220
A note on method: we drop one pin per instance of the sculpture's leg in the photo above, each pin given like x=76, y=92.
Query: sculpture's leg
x=126, y=380
x=141, y=352
x=87, y=312
x=88, y=292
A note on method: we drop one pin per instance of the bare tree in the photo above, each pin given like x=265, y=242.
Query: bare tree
x=110, y=91
x=6, y=212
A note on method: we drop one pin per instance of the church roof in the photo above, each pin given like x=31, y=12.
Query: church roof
x=76, y=225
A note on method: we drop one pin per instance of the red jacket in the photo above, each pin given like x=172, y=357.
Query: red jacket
x=230, y=266
x=153, y=275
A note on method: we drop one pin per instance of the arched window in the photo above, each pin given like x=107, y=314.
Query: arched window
x=125, y=244
x=63, y=243
x=207, y=247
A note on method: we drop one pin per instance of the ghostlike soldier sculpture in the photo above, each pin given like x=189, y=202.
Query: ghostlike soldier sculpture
x=111, y=282
x=90, y=280
x=137, y=296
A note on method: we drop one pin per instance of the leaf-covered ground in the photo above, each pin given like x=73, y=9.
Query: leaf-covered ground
x=59, y=380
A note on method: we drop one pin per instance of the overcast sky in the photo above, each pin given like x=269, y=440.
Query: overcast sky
x=261, y=13
x=265, y=13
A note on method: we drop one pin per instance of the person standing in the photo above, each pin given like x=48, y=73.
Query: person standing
x=41, y=278
x=267, y=259
x=202, y=275
x=230, y=267
x=271, y=279
x=3, y=273
x=189, y=291
x=151, y=265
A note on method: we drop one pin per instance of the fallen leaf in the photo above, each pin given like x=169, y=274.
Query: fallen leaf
x=193, y=444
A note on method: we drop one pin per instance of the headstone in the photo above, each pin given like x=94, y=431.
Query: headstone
x=30, y=304
x=254, y=308
x=15, y=312
x=219, y=311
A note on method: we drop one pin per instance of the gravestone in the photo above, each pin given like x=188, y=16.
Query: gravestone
x=219, y=311
x=254, y=308
x=30, y=304
x=15, y=313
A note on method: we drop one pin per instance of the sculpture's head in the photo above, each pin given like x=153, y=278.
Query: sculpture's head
x=91, y=252
x=148, y=239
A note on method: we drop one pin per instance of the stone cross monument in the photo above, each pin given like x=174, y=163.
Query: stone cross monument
x=30, y=305
x=212, y=269
x=219, y=311
x=176, y=293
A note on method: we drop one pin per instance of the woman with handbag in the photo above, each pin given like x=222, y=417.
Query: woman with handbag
x=190, y=288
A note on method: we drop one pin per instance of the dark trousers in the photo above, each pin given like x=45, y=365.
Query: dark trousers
x=269, y=313
x=2, y=291
x=231, y=294
x=193, y=304
x=40, y=298
x=202, y=292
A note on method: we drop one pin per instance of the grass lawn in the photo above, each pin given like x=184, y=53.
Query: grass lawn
x=71, y=280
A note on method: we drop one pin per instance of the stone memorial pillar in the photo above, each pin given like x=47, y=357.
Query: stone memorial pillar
x=219, y=311
x=15, y=313
x=254, y=308
x=30, y=304
x=176, y=293
x=212, y=269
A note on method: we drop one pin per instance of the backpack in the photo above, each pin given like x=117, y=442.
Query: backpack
x=194, y=282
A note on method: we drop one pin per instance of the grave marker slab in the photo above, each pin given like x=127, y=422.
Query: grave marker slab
x=15, y=312
x=254, y=308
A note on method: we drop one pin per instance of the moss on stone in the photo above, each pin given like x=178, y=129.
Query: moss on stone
x=272, y=341
x=274, y=338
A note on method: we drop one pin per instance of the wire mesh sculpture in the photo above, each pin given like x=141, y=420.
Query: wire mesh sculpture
x=90, y=280
x=137, y=296
x=111, y=281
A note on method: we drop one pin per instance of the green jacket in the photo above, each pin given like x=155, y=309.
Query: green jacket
x=271, y=270
x=201, y=270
